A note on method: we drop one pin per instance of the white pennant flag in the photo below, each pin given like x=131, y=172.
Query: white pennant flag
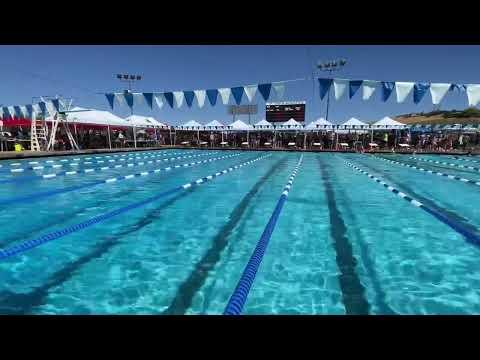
x=279, y=89
x=340, y=85
x=36, y=108
x=369, y=87
x=179, y=98
x=11, y=110
x=24, y=111
x=121, y=99
x=159, y=100
x=138, y=99
x=200, y=94
x=250, y=90
x=473, y=94
x=438, y=92
x=225, y=94
x=403, y=89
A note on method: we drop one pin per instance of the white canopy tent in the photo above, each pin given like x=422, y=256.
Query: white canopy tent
x=388, y=123
x=239, y=125
x=191, y=125
x=353, y=123
x=214, y=125
x=291, y=124
x=320, y=123
x=263, y=125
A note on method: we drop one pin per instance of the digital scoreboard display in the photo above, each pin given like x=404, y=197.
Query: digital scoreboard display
x=284, y=111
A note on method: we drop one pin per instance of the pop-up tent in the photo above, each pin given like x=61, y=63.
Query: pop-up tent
x=214, y=125
x=318, y=124
x=388, y=123
x=239, y=125
x=83, y=116
x=263, y=125
x=191, y=125
x=353, y=123
x=291, y=124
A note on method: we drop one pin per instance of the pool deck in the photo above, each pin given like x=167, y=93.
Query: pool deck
x=5, y=155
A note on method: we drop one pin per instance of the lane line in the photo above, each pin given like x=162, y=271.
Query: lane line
x=446, y=163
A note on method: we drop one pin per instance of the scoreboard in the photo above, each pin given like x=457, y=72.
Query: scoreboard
x=284, y=111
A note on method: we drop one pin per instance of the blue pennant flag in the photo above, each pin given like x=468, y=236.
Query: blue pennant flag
x=237, y=94
x=189, y=96
x=110, y=98
x=29, y=108
x=387, y=88
x=18, y=112
x=354, y=85
x=43, y=108
x=128, y=98
x=56, y=104
x=169, y=97
x=265, y=89
x=458, y=87
x=325, y=85
x=419, y=91
x=148, y=98
x=212, y=95
x=6, y=112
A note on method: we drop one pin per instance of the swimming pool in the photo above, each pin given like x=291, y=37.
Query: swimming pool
x=171, y=232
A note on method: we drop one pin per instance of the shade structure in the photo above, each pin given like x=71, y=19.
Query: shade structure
x=79, y=115
x=291, y=124
x=191, y=125
x=144, y=121
x=320, y=123
x=388, y=123
x=214, y=125
x=239, y=125
x=353, y=123
x=263, y=125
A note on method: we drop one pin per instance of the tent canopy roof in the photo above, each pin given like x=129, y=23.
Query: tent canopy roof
x=192, y=124
x=92, y=116
x=388, y=122
x=320, y=122
x=263, y=123
x=354, y=122
x=144, y=121
x=240, y=125
x=214, y=124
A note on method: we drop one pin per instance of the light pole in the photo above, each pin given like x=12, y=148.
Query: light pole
x=130, y=79
x=331, y=66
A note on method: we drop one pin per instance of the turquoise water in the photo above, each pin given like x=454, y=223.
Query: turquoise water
x=343, y=243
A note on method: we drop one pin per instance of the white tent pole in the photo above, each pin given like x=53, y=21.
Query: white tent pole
x=134, y=136
x=155, y=135
x=109, y=138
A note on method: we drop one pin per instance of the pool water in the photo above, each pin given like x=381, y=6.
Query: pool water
x=343, y=243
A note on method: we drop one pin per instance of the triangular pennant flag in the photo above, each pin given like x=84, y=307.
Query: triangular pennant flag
x=458, y=87
x=473, y=94
x=159, y=100
x=36, y=108
x=225, y=94
x=265, y=89
x=24, y=112
x=50, y=108
x=6, y=112
x=419, y=91
x=200, y=94
x=212, y=95
x=403, y=89
x=56, y=104
x=110, y=99
x=387, y=88
x=128, y=96
x=17, y=112
x=121, y=99
x=250, y=91
x=339, y=85
x=178, y=98
x=189, y=96
x=324, y=87
x=438, y=92
x=237, y=94
x=148, y=99
x=354, y=86
x=369, y=87
x=29, y=109
x=169, y=98
x=279, y=89
x=138, y=99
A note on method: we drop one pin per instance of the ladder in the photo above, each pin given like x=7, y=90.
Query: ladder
x=57, y=118
x=38, y=134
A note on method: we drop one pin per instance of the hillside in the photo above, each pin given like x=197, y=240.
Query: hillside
x=467, y=116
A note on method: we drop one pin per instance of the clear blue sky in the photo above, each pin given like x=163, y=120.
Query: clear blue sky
x=82, y=71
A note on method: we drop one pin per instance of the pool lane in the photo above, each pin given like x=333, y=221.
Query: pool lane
x=150, y=262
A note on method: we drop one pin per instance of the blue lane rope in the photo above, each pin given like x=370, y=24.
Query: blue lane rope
x=433, y=172
x=30, y=244
x=446, y=163
x=44, y=194
x=469, y=235
x=57, y=166
x=239, y=297
x=98, y=169
x=469, y=160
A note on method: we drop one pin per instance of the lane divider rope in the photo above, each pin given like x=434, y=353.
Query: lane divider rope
x=30, y=244
x=240, y=294
x=41, y=195
x=461, y=159
x=448, y=176
x=446, y=163
x=92, y=170
x=470, y=236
